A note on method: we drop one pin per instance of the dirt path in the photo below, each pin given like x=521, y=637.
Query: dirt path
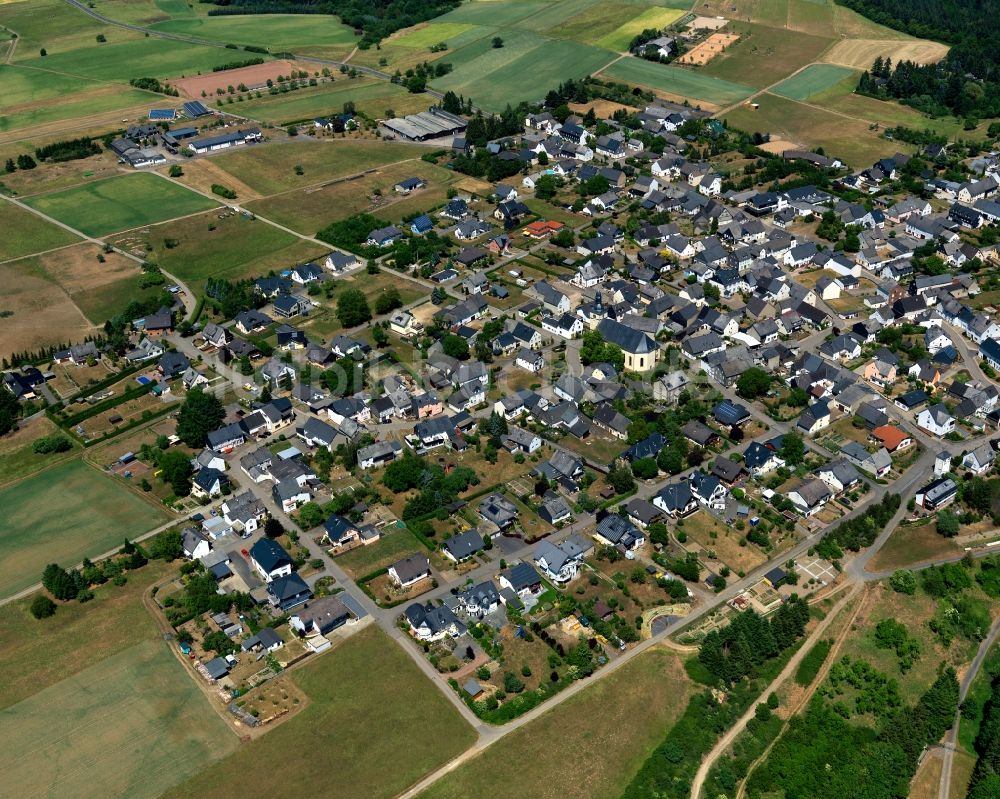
x=727, y=740
x=831, y=658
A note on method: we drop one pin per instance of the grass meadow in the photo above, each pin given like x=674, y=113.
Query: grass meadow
x=623, y=717
x=374, y=726
x=63, y=515
x=764, y=55
x=237, y=247
x=120, y=203
x=271, y=170
x=815, y=79
x=25, y=233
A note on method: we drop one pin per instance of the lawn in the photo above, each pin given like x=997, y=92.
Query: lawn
x=120, y=203
x=133, y=724
x=678, y=81
x=618, y=720
x=279, y=32
x=909, y=545
x=370, y=96
x=814, y=79
x=237, y=247
x=764, y=55
x=483, y=72
x=112, y=622
x=64, y=515
x=26, y=233
x=395, y=545
x=271, y=169
x=374, y=726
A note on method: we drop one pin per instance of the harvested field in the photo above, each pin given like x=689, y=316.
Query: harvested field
x=203, y=173
x=41, y=312
x=63, y=515
x=366, y=680
x=604, y=109
x=253, y=77
x=623, y=716
x=708, y=49
x=860, y=53
x=146, y=725
x=708, y=23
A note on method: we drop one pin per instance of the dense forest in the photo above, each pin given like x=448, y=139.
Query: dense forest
x=373, y=19
x=967, y=82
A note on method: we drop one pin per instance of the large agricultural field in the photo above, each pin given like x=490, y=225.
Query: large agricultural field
x=64, y=295
x=138, y=742
x=678, y=82
x=63, y=515
x=120, y=203
x=279, y=32
x=623, y=717
x=369, y=95
x=374, y=724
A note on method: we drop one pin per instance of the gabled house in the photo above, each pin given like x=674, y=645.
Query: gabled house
x=410, y=571
x=270, y=560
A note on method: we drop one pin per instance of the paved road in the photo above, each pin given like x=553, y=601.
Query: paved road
x=951, y=739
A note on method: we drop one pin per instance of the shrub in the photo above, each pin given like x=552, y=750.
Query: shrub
x=42, y=607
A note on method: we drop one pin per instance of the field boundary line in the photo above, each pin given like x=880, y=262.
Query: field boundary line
x=42, y=252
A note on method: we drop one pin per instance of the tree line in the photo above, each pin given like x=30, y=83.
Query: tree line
x=985, y=780
x=860, y=532
x=373, y=20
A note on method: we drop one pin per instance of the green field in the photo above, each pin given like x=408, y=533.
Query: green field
x=276, y=31
x=619, y=39
x=623, y=717
x=54, y=25
x=370, y=96
x=433, y=33
x=237, y=247
x=271, y=169
x=484, y=72
x=132, y=725
x=62, y=516
x=72, y=106
x=123, y=60
x=120, y=203
x=23, y=85
x=26, y=233
x=813, y=80
x=374, y=726
x=678, y=81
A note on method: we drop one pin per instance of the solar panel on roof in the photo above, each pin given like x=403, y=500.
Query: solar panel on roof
x=195, y=109
x=162, y=113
